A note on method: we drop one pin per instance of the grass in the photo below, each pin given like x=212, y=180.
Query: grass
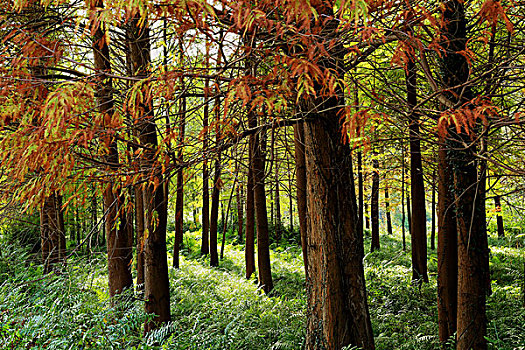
x=217, y=308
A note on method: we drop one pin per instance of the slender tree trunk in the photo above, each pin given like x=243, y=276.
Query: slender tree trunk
x=300, y=179
x=53, y=245
x=367, y=217
x=375, y=245
x=433, y=227
x=119, y=250
x=225, y=219
x=418, y=219
x=499, y=218
x=205, y=246
x=403, y=229
x=214, y=217
x=278, y=221
x=155, y=200
x=240, y=213
x=409, y=214
x=139, y=220
x=179, y=203
x=387, y=209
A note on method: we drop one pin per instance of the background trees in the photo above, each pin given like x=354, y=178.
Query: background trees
x=114, y=101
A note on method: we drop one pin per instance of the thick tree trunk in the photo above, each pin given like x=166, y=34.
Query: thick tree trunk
x=375, y=245
x=116, y=225
x=156, y=281
x=300, y=179
x=263, y=242
x=388, y=215
x=470, y=216
x=418, y=219
x=499, y=218
x=337, y=304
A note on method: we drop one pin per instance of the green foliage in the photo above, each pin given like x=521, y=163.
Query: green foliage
x=217, y=308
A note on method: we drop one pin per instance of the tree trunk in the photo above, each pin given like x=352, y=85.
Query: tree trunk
x=205, y=246
x=470, y=217
x=179, y=203
x=156, y=281
x=337, y=304
x=240, y=214
x=51, y=237
x=433, y=227
x=117, y=240
x=499, y=218
x=403, y=196
x=375, y=245
x=249, y=251
x=278, y=220
x=263, y=242
x=418, y=219
x=387, y=209
x=139, y=220
x=214, y=217
x=447, y=252
x=300, y=179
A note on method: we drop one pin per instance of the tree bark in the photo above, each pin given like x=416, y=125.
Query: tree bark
x=263, y=242
x=179, y=202
x=156, y=281
x=470, y=217
x=205, y=245
x=388, y=215
x=418, y=219
x=117, y=240
x=433, y=227
x=337, y=304
x=499, y=218
x=240, y=213
x=278, y=219
x=300, y=179
x=214, y=217
x=139, y=220
x=374, y=210
x=447, y=249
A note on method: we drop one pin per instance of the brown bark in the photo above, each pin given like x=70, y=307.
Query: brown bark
x=403, y=196
x=446, y=249
x=249, y=251
x=300, y=179
x=214, y=216
x=433, y=227
x=418, y=219
x=240, y=212
x=261, y=215
x=499, y=218
x=179, y=201
x=156, y=281
x=205, y=245
x=374, y=210
x=116, y=222
x=139, y=220
x=278, y=219
x=51, y=236
x=337, y=304
x=473, y=271
x=387, y=209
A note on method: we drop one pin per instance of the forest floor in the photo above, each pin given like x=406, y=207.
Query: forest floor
x=217, y=308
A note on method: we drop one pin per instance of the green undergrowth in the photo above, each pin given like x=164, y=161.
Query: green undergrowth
x=217, y=308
